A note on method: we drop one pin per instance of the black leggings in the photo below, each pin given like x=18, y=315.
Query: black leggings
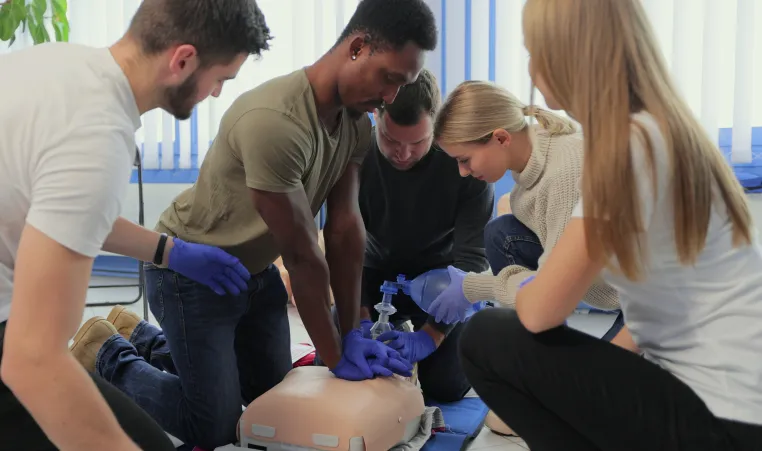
x=19, y=431
x=565, y=390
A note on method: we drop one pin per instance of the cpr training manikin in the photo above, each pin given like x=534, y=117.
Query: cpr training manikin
x=311, y=409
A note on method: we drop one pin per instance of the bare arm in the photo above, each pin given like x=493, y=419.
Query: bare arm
x=345, y=247
x=37, y=365
x=131, y=240
x=289, y=220
x=560, y=283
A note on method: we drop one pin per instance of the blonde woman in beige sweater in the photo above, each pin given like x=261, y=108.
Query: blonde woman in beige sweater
x=487, y=130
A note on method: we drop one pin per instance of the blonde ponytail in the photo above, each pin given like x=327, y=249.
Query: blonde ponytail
x=475, y=109
x=551, y=122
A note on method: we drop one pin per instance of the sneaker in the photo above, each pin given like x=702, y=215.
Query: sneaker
x=124, y=320
x=89, y=340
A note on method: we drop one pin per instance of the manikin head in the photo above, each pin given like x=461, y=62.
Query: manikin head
x=382, y=49
x=193, y=47
x=485, y=128
x=405, y=128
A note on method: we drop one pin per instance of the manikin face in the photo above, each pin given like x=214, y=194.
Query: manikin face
x=368, y=80
x=484, y=161
x=404, y=146
x=195, y=84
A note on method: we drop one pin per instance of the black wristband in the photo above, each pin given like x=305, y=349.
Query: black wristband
x=158, y=257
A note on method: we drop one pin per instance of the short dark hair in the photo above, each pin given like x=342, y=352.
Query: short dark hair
x=420, y=97
x=220, y=30
x=394, y=23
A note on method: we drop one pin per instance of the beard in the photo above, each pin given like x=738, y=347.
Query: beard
x=180, y=100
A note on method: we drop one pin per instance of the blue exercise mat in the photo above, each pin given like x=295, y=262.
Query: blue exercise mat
x=463, y=421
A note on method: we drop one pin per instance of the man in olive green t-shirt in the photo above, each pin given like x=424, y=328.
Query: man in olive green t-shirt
x=282, y=150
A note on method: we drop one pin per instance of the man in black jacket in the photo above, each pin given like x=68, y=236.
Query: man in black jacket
x=419, y=215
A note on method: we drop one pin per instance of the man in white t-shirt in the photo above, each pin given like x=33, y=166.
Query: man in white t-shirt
x=67, y=147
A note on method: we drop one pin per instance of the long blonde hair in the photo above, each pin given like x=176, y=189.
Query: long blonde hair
x=600, y=60
x=475, y=109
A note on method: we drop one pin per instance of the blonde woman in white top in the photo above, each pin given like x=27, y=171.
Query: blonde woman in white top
x=664, y=221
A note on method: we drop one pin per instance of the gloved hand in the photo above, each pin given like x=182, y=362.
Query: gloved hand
x=526, y=281
x=363, y=352
x=412, y=346
x=210, y=266
x=365, y=326
x=451, y=305
x=350, y=372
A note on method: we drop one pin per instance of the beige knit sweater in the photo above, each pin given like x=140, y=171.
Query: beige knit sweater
x=543, y=198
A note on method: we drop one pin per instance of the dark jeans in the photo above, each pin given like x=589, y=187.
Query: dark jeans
x=19, y=431
x=440, y=374
x=509, y=242
x=565, y=390
x=212, y=354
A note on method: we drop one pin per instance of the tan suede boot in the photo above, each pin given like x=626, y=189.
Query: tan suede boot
x=90, y=339
x=124, y=320
x=496, y=425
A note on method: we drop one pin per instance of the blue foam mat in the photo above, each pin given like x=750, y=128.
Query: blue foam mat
x=463, y=421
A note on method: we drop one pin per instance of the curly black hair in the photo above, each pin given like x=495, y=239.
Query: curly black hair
x=219, y=30
x=394, y=23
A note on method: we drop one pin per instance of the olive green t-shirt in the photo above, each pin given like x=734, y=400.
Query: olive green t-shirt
x=270, y=139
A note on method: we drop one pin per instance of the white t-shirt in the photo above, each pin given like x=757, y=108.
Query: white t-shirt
x=67, y=149
x=702, y=323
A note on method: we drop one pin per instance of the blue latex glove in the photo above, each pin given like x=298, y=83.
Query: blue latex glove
x=350, y=372
x=365, y=326
x=210, y=266
x=526, y=281
x=412, y=346
x=370, y=358
x=451, y=305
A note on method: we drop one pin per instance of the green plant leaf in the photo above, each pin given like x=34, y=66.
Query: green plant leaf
x=60, y=21
x=59, y=7
x=31, y=15
x=39, y=7
x=12, y=14
x=36, y=21
x=6, y=32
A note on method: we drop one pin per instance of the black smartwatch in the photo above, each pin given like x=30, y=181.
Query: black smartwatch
x=159, y=255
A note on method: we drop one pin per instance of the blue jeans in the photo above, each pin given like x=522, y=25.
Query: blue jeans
x=508, y=241
x=212, y=354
